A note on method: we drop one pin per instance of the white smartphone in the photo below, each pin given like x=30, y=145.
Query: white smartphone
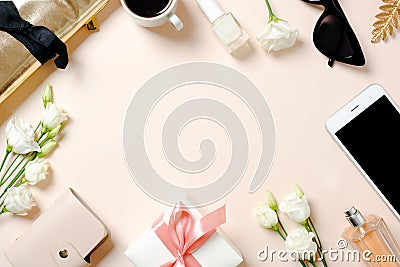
x=368, y=130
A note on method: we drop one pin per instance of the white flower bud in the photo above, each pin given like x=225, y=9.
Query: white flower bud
x=52, y=117
x=46, y=148
x=53, y=133
x=47, y=95
x=272, y=201
x=266, y=216
x=298, y=191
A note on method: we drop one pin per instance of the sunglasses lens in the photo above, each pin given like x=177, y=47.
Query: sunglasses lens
x=334, y=37
x=331, y=39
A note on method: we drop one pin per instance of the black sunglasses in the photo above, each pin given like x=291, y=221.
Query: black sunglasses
x=334, y=37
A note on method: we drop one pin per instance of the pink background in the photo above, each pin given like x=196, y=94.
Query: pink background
x=108, y=67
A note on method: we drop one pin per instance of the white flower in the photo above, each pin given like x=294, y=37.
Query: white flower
x=277, y=35
x=46, y=148
x=295, y=207
x=19, y=200
x=53, y=133
x=300, y=243
x=36, y=171
x=52, y=117
x=266, y=216
x=272, y=201
x=47, y=95
x=21, y=136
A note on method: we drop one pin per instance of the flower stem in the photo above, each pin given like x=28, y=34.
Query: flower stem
x=303, y=263
x=283, y=228
x=2, y=209
x=280, y=233
x=18, y=175
x=307, y=226
x=37, y=127
x=3, y=180
x=322, y=257
x=271, y=13
x=16, y=167
x=9, y=167
x=315, y=231
x=317, y=241
x=44, y=141
x=4, y=159
x=312, y=263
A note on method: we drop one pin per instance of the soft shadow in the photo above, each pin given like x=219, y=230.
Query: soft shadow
x=244, y=51
x=338, y=64
x=168, y=31
x=46, y=183
x=320, y=7
x=33, y=214
x=12, y=102
x=289, y=50
x=243, y=264
x=101, y=251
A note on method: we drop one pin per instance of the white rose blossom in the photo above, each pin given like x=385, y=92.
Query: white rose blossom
x=300, y=244
x=19, y=200
x=297, y=208
x=17, y=174
x=266, y=216
x=278, y=34
x=36, y=171
x=21, y=136
x=52, y=117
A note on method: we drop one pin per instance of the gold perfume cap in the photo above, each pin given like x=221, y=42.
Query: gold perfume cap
x=354, y=217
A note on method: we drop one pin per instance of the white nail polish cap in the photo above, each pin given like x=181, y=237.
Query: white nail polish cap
x=211, y=9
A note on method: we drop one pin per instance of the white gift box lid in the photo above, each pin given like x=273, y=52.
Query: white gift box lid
x=218, y=251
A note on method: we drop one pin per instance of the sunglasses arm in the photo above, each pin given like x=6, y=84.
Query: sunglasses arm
x=330, y=62
x=315, y=2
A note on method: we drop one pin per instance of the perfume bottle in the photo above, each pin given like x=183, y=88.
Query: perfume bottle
x=224, y=25
x=373, y=240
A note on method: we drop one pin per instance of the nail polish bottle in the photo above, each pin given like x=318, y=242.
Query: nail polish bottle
x=224, y=25
x=372, y=238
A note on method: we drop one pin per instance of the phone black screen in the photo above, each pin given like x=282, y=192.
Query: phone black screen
x=373, y=139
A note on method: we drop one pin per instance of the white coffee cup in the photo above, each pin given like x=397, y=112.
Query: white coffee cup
x=168, y=15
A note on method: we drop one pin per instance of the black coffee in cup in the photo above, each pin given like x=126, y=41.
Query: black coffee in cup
x=148, y=8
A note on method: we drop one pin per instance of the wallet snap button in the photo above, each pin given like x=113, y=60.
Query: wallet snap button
x=63, y=253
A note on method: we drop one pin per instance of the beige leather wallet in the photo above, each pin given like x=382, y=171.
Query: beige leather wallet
x=63, y=235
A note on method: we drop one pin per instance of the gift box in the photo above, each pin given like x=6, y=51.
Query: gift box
x=185, y=237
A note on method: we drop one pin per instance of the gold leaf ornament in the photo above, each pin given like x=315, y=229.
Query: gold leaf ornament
x=387, y=21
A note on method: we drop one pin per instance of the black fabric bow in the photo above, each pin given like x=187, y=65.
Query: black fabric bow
x=41, y=42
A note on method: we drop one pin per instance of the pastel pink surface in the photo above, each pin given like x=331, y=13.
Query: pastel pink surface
x=108, y=68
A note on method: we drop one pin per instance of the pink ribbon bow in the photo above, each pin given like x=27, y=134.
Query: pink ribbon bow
x=181, y=235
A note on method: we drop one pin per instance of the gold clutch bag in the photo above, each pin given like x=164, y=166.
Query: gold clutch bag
x=63, y=17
